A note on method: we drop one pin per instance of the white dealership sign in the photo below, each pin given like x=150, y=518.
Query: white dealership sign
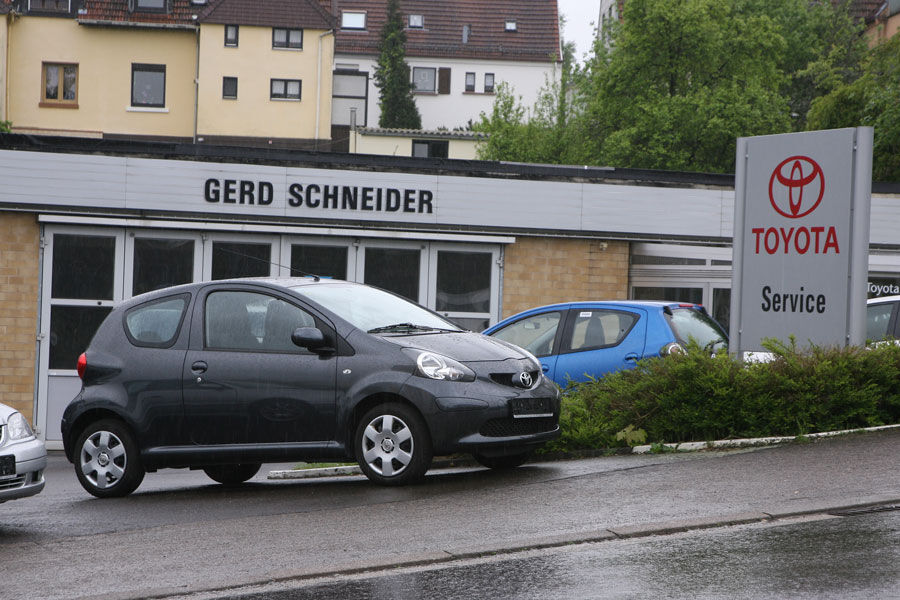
x=801, y=238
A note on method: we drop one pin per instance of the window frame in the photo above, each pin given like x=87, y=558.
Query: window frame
x=420, y=21
x=510, y=26
x=566, y=343
x=150, y=9
x=42, y=9
x=148, y=68
x=353, y=13
x=287, y=45
x=431, y=145
x=225, y=80
x=470, y=75
x=185, y=297
x=232, y=42
x=434, y=80
x=489, y=89
x=285, y=96
x=58, y=102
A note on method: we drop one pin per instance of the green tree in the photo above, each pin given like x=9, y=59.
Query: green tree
x=396, y=102
x=870, y=100
x=682, y=80
x=543, y=134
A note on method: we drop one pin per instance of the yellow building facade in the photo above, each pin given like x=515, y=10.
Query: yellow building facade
x=73, y=76
x=253, y=64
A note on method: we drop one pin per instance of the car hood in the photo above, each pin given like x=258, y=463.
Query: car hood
x=464, y=346
x=5, y=411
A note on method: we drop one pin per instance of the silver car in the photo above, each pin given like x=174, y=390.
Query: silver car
x=23, y=457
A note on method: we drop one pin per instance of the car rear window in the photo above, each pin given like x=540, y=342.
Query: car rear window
x=155, y=323
x=690, y=323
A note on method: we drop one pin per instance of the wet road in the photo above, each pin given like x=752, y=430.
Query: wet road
x=180, y=533
x=811, y=558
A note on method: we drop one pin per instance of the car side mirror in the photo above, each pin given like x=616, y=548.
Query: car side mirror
x=310, y=338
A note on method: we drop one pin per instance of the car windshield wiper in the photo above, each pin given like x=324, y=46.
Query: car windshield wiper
x=405, y=327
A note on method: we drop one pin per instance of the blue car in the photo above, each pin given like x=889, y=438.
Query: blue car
x=578, y=340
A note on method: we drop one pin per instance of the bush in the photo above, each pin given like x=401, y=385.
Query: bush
x=698, y=397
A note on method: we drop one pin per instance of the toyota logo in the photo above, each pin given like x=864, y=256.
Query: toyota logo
x=525, y=379
x=796, y=187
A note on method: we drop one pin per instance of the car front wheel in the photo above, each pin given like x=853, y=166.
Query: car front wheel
x=393, y=446
x=232, y=474
x=108, y=463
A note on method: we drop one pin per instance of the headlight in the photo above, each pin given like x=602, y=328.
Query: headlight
x=437, y=366
x=18, y=428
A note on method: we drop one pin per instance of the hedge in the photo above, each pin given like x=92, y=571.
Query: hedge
x=695, y=396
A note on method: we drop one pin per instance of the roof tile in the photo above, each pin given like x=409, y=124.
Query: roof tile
x=116, y=11
x=268, y=13
x=536, y=37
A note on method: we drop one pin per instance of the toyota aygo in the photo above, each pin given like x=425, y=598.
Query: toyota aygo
x=226, y=375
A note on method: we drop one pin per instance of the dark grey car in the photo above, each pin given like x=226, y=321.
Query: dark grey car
x=226, y=375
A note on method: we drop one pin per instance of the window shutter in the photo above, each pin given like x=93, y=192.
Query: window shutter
x=444, y=80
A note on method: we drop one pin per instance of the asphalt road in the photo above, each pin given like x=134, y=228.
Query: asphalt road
x=180, y=533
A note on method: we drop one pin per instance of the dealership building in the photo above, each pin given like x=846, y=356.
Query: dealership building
x=87, y=223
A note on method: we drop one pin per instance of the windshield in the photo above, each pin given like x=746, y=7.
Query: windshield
x=689, y=323
x=370, y=308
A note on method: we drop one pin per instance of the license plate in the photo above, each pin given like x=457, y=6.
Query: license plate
x=525, y=408
x=7, y=465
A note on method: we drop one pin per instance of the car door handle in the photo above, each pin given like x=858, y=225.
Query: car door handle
x=199, y=367
x=631, y=357
x=545, y=368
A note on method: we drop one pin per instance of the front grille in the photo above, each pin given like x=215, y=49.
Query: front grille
x=511, y=427
x=512, y=379
x=15, y=482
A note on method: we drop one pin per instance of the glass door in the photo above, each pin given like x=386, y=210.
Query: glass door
x=82, y=280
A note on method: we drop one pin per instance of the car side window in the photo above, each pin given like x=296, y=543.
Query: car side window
x=878, y=318
x=536, y=333
x=600, y=329
x=155, y=323
x=249, y=321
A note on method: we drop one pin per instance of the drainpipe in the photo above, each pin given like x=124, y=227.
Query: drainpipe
x=319, y=84
x=196, y=83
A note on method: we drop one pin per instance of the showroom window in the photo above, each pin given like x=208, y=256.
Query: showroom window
x=238, y=259
x=160, y=263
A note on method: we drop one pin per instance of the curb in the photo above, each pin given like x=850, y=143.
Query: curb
x=752, y=442
x=349, y=470
x=440, y=557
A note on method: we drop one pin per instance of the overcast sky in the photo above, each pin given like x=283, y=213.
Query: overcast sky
x=581, y=17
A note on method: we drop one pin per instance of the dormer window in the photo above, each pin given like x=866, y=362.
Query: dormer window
x=353, y=20
x=148, y=5
x=510, y=25
x=416, y=21
x=49, y=5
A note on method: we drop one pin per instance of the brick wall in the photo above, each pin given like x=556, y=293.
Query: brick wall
x=19, y=284
x=542, y=271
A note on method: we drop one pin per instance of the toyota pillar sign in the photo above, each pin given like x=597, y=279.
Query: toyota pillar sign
x=801, y=238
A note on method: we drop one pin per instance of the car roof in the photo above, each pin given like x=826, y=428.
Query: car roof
x=645, y=304
x=883, y=299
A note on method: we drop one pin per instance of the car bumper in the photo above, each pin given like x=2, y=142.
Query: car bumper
x=479, y=416
x=31, y=460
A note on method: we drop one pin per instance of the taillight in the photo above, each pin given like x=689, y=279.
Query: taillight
x=82, y=365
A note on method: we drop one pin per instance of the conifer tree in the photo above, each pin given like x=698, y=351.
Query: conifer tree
x=395, y=98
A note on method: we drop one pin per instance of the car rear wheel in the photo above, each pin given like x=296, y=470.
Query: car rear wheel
x=232, y=474
x=393, y=446
x=509, y=461
x=108, y=463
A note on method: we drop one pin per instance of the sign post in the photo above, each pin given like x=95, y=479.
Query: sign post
x=801, y=238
